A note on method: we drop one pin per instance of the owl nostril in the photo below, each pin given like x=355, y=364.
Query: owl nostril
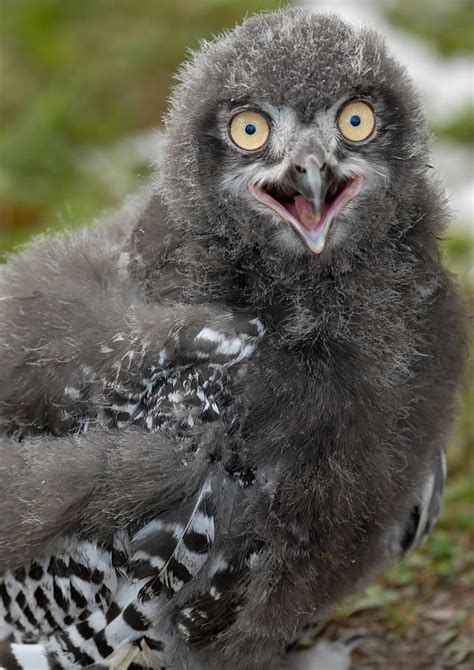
x=302, y=170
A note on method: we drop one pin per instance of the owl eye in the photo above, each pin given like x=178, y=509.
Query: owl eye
x=356, y=121
x=249, y=130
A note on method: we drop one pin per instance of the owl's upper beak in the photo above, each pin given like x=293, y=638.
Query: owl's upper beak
x=309, y=198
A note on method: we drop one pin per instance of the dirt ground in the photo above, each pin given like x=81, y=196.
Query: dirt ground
x=430, y=628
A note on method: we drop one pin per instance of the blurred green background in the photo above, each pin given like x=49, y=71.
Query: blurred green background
x=81, y=86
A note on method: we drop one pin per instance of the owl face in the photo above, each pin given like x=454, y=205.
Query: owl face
x=298, y=131
x=304, y=177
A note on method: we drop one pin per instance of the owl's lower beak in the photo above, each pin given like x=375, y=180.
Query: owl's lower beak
x=309, y=200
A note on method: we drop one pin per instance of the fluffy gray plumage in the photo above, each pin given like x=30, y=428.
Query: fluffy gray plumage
x=327, y=381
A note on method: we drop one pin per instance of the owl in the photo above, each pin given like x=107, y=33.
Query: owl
x=225, y=408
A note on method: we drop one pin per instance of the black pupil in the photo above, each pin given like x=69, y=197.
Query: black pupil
x=355, y=120
x=250, y=129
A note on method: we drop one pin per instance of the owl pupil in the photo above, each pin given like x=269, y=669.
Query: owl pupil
x=250, y=129
x=355, y=120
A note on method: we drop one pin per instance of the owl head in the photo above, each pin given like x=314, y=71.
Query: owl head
x=294, y=133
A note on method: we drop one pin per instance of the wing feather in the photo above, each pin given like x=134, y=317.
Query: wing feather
x=172, y=550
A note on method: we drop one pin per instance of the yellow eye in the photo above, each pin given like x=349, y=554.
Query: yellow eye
x=249, y=130
x=357, y=121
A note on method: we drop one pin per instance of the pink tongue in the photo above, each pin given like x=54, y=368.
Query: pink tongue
x=305, y=213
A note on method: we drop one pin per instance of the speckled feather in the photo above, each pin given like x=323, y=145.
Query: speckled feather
x=200, y=344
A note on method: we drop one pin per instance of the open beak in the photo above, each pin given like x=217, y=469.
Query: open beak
x=310, y=199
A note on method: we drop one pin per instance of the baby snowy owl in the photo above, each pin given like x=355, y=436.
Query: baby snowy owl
x=225, y=409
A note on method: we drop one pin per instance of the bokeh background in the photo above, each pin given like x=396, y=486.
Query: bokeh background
x=83, y=85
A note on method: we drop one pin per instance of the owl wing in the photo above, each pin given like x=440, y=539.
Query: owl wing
x=426, y=510
x=79, y=335
x=178, y=550
x=152, y=567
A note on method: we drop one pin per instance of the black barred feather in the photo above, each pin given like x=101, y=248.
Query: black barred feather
x=214, y=611
x=173, y=550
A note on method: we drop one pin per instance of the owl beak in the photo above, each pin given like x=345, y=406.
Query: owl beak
x=312, y=182
x=309, y=200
